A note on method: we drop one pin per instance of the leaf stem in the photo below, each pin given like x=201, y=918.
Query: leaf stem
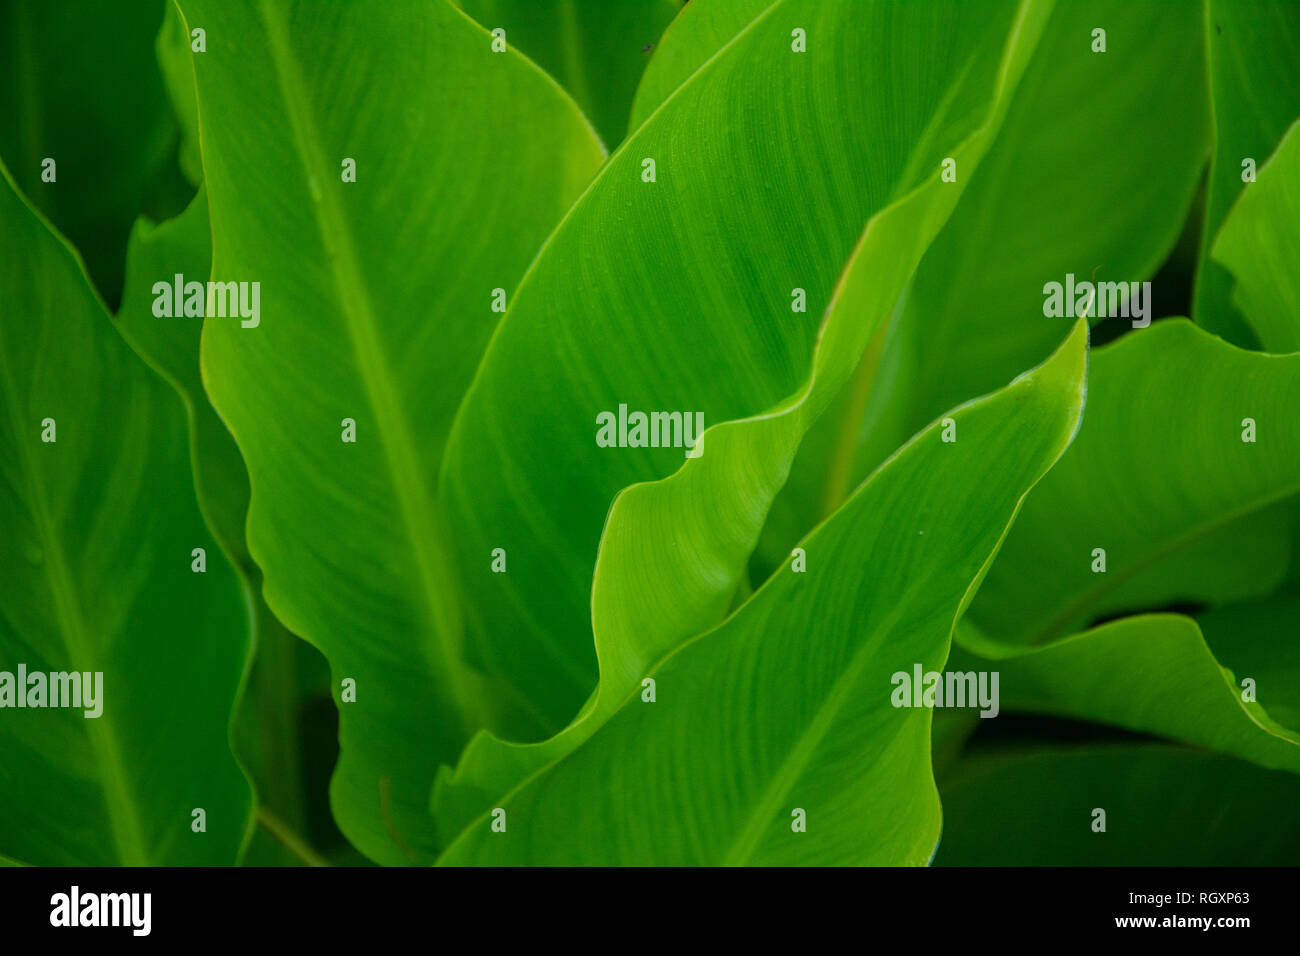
x=290, y=840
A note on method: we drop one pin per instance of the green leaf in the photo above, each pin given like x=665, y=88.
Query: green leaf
x=173, y=51
x=524, y=471
x=1254, y=46
x=597, y=50
x=698, y=32
x=1164, y=806
x=1151, y=673
x=974, y=315
x=713, y=771
x=1162, y=481
x=1258, y=244
x=268, y=733
x=107, y=147
x=157, y=253
x=978, y=300
x=97, y=559
x=374, y=309
x=1257, y=641
x=652, y=589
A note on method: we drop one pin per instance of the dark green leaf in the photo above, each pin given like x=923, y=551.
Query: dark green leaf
x=1259, y=244
x=1162, y=481
x=1254, y=46
x=596, y=49
x=1047, y=200
x=1164, y=807
x=101, y=526
x=107, y=146
x=1152, y=673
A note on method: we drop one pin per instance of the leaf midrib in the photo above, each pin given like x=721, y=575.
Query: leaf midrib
x=118, y=799
x=763, y=812
x=1172, y=545
x=417, y=506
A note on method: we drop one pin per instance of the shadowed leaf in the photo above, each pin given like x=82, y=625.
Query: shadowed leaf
x=101, y=526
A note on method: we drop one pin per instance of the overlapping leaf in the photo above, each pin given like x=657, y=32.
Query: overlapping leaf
x=1253, y=48
x=1163, y=481
x=373, y=309
x=597, y=50
x=694, y=530
x=386, y=177
x=1152, y=673
x=734, y=219
x=268, y=738
x=108, y=148
x=1043, y=203
x=698, y=32
x=1256, y=640
x=173, y=47
x=783, y=714
x=1259, y=245
x=102, y=528
x=157, y=253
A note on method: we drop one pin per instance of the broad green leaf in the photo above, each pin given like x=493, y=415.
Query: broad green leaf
x=1257, y=640
x=1164, y=806
x=714, y=771
x=267, y=738
x=101, y=526
x=596, y=49
x=1152, y=673
x=157, y=253
x=55, y=59
x=1254, y=46
x=1161, y=480
x=1259, y=244
x=1044, y=202
x=268, y=725
x=524, y=471
x=698, y=32
x=978, y=299
x=374, y=309
x=653, y=590
x=173, y=50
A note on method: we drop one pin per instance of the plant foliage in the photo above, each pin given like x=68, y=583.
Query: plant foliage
x=544, y=432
